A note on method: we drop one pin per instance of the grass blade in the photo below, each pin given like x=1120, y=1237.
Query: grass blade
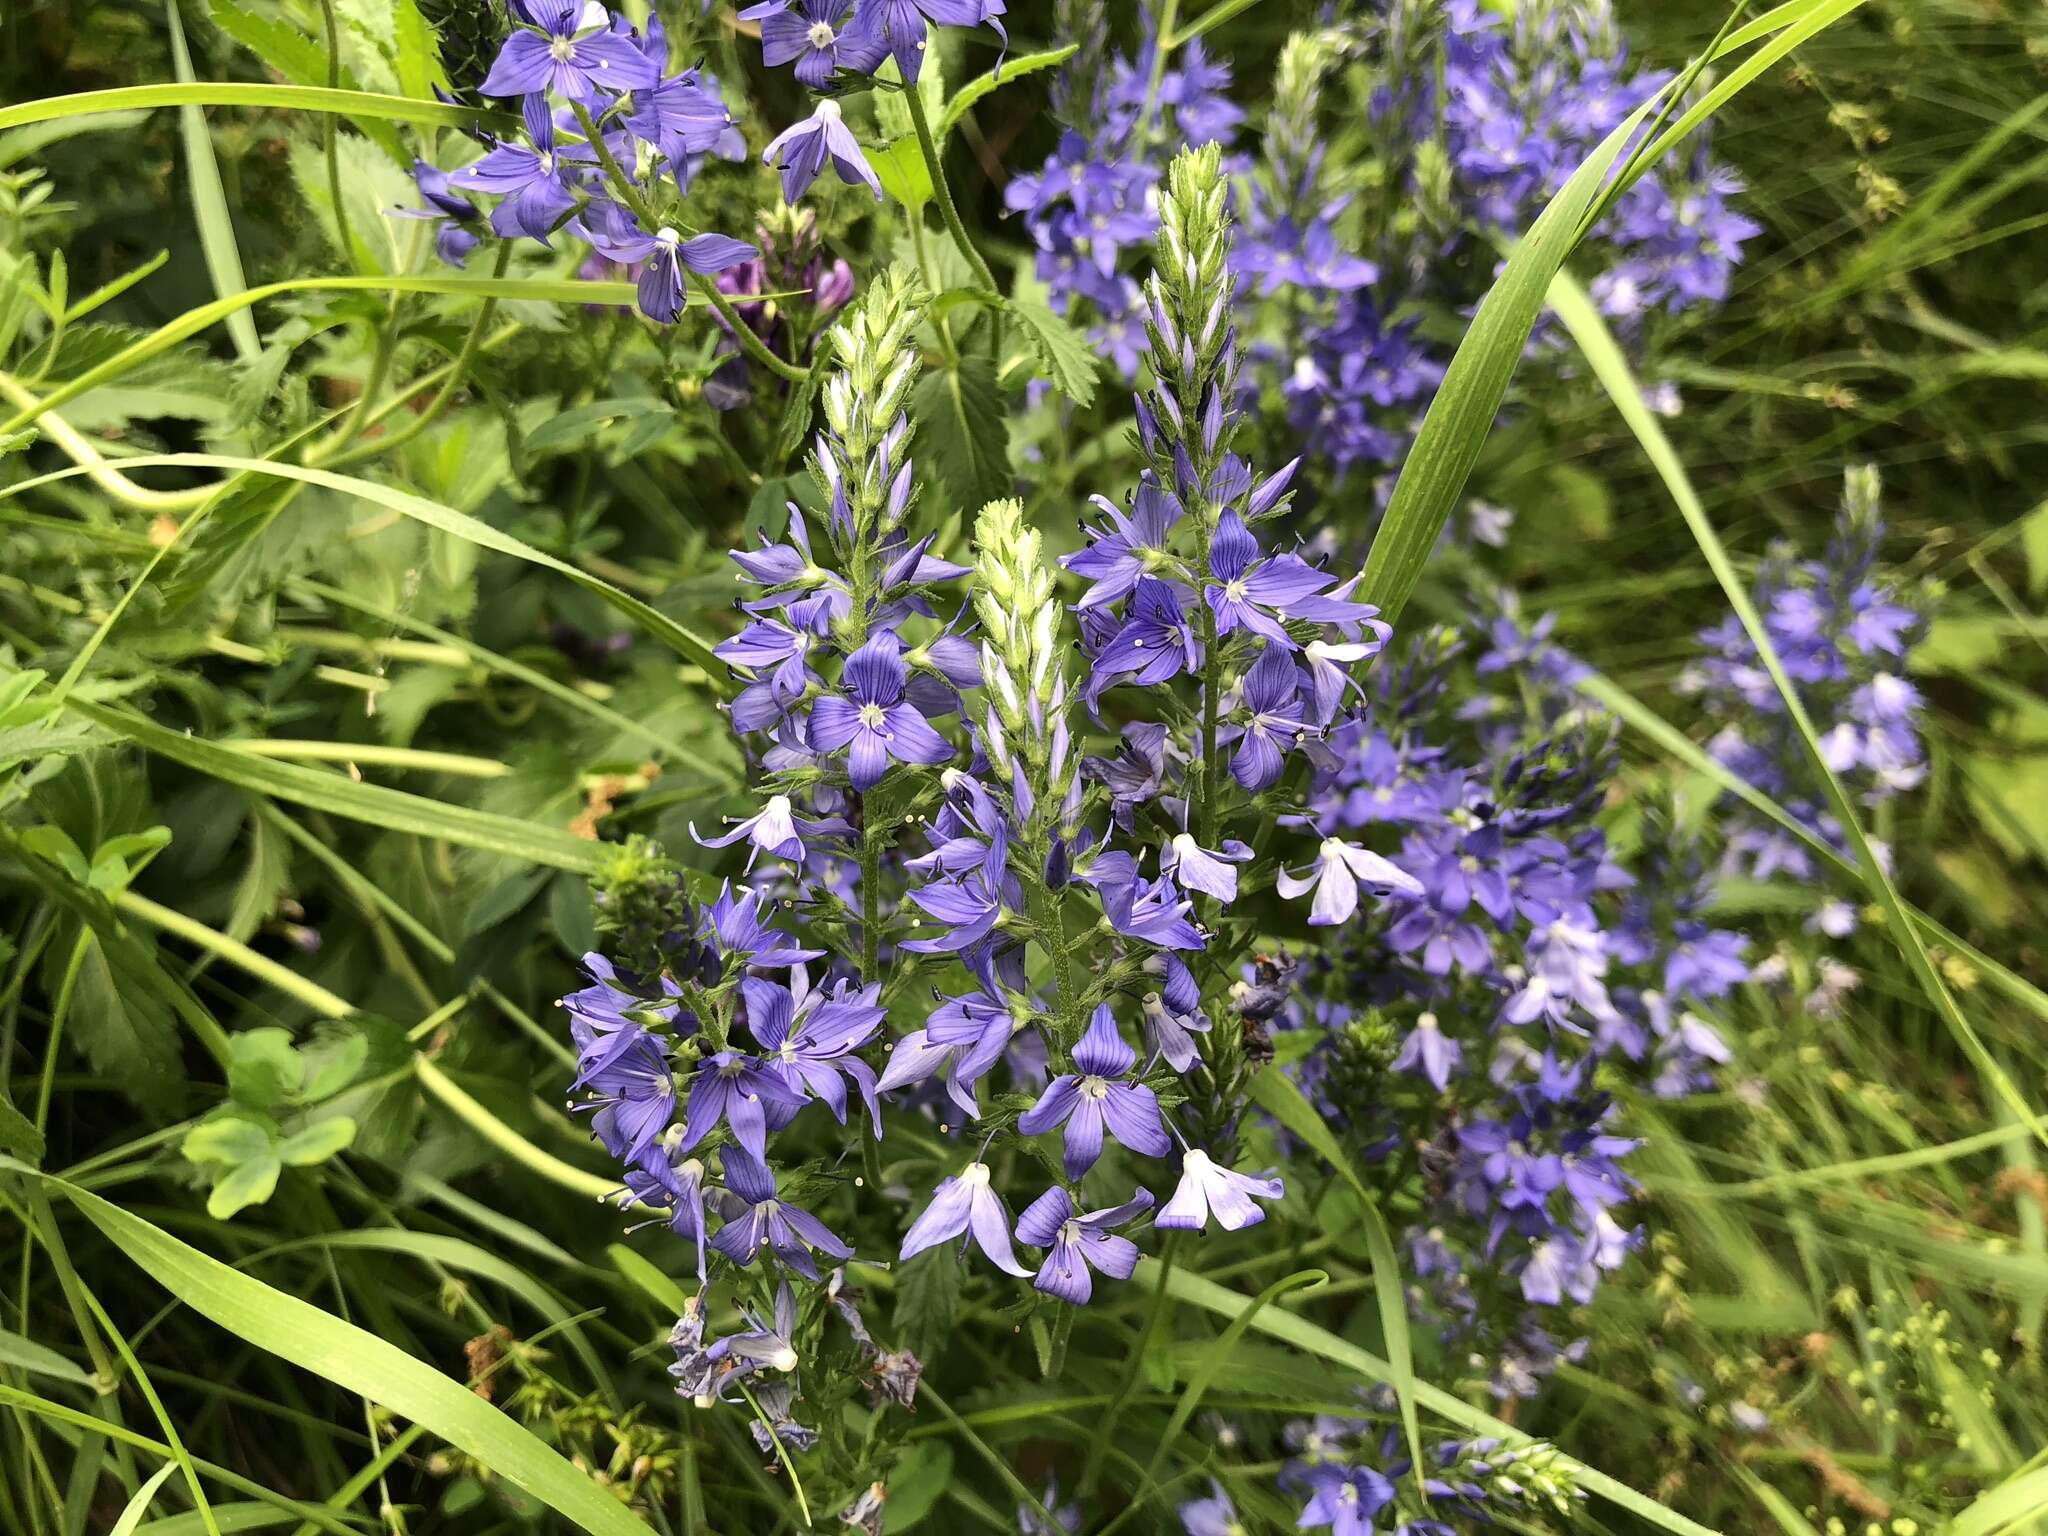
x=1461, y=416
x=138, y=1506
x=1304, y=1335
x=360, y=1362
x=684, y=642
x=1276, y=1093
x=222, y=93
x=209, y=198
x=1597, y=344
x=394, y=810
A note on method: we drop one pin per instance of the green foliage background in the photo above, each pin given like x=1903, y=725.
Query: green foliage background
x=292, y=1196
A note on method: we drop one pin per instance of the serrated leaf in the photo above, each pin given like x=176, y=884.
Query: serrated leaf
x=1069, y=358
x=1010, y=69
x=370, y=183
x=125, y=1032
x=927, y=1299
x=963, y=433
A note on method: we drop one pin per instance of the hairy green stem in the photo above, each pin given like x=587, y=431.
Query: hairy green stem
x=947, y=210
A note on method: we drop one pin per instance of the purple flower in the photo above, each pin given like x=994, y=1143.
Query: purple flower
x=633, y=1089
x=735, y=1089
x=1128, y=547
x=1078, y=1243
x=661, y=256
x=1152, y=910
x=1346, y=1499
x=527, y=178
x=1206, y=1190
x=764, y=1346
x=575, y=52
x=871, y=717
x=682, y=118
x=1200, y=870
x=901, y=25
x=766, y=1222
x=1428, y=1053
x=1213, y=1516
x=734, y=925
x=450, y=210
x=1170, y=1033
x=1154, y=644
x=1255, y=594
x=965, y=1205
x=801, y=150
x=776, y=829
x=1339, y=870
x=819, y=35
x=1271, y=692
x=1087, y=1101
x=810, y=1035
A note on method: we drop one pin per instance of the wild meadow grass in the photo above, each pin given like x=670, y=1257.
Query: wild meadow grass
x=1566, y=853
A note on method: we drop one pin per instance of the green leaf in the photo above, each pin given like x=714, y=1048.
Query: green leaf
x=228, y=1140
x=361, y=1363
x=1069, y=360
x=684, y=642
x=332, y=1061
x=362, y=105
x=962, y=427
x=577, y=426
x=266, y=1069
x=291, y=53
x=916, y=1484
x=1583, y=321
x=664, y=1292
x=28, y=1355
x=125, y=1031
x=901, y=169
x=209, y=198
x=2005, y=1507
x=1276, y=1093
x=1010, y=69
x=244, y=1185
x=18, y=1134
x=394, y=810
x=131, y=1517
x=318, y=1142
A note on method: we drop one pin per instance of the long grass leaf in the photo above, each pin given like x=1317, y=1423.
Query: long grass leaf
x=1598, y=346
x=1276, y=1093
x=224, y=93
x=1462, y=414
x=1276, y=1323
x=392, y=809
x=433, y=514
x=138, y=1506
x=209, y=198
x=360, y=1362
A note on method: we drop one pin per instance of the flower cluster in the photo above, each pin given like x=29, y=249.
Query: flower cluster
x=1474, y=123
x=1351, y=1477
x=1841, y=631
x=958, y=861
x=1463, y=1033
x=613, y=139
x=1097, y=196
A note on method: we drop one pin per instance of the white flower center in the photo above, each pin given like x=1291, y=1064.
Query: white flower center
x=1234, y=590
x=1094, y=1088
x=975, y=1175
x=1185, y=845
x=562, y=49
x=821, y=35
x=871, y=716
x=784, y=1359
x=829, y=110
x=668, y=236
